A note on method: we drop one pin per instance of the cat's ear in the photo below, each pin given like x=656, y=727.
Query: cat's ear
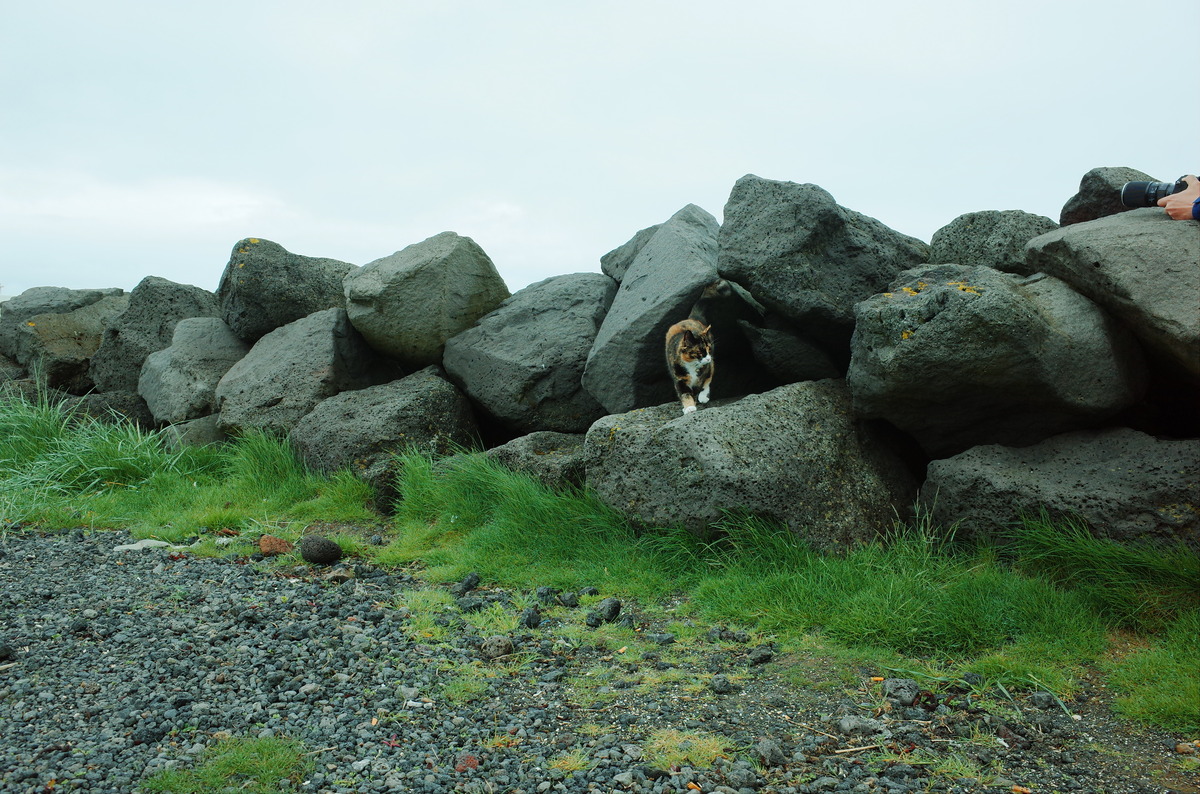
x=707, y=330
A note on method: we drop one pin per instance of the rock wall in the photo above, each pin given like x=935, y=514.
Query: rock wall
x=1011, y=366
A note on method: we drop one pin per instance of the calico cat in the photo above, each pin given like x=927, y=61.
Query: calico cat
x=690, y=361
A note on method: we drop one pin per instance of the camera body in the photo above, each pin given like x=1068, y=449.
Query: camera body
x=1147, y=194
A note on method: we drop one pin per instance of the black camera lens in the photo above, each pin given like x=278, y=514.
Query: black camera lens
x=1147, y=194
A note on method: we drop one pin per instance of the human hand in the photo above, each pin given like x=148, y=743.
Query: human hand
x=1179, y=205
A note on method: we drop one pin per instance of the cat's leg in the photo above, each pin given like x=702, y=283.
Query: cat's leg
x=703, y=395
x=688, y=401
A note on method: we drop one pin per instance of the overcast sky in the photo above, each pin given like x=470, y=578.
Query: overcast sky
x=146, y=138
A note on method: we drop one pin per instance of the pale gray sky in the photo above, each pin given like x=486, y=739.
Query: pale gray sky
x=146, y=138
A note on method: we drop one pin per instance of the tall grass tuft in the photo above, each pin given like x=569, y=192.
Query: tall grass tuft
x=59, y=469
x=909, y=593
x=520, y=532
x=1138, y=587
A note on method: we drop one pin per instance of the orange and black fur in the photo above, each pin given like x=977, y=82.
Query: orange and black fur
x=690, y=361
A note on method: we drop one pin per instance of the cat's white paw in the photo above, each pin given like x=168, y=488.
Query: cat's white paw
x=703, y=396
x=689, y=409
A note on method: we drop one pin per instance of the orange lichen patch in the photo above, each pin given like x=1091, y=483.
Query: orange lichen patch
x=963, y=286
x=906, y=334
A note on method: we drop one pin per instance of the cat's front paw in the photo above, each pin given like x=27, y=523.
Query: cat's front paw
x=703, y=396
x=689, y=409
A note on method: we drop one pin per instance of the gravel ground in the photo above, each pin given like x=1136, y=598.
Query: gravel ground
x=117, y=664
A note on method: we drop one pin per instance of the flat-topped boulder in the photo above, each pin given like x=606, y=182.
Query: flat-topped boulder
x=795, y=455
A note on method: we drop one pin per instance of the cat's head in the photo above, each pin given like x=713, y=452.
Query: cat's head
x=696, y=345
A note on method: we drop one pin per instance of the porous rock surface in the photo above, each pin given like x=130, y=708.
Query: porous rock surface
x=20, y=309
x=1143, y=268
x=58, y=345
x=408, y=304
x=264, y=286
x=292, y=369
x=1100, y=194
x=556, y=459
x=616, y=262
x=179, y=382
x=958, y=356
x=155, y=306
x=795, y=455
x=1126, y=485
x=363, y=430
x=990, y=238
x=808, y=258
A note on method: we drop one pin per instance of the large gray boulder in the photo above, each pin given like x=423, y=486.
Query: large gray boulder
x=795, y=455
x=523, y=363
x=992, y=238
x=364, y=430
x=265, y=286
x=958, y=356
x=1100, y=194
x=58, y=346
x=616, y=262
x=626, y=367
x=17, y=311
x=1141, y=266
x=555, y=459
x=1124, y=484
x=179, y=383
x=408, y=304
x=146, y=325
x=292, y=369
x=802, y=255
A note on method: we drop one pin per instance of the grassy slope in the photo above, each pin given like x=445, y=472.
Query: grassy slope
x=1027, y=615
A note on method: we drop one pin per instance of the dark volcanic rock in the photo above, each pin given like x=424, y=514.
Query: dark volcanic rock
x=265, y=287
x=319, y=550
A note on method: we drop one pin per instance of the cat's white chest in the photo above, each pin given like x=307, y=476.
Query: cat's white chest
x=693, y=369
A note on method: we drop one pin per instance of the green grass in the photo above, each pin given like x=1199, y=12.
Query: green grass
x=1029, y=613
x=59, y=470
x=1140, y=587
x=519, y=531
x=467, y=684
x=1160, y=686
x=238, y=764
x=667, y=747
